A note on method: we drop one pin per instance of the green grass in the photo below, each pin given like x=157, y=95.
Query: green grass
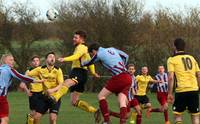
x=70, y=115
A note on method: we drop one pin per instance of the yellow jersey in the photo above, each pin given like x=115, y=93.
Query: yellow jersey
x=35, y=87
x=80, y=55
x=53, y=77
x=142, y=84
x=184, y=67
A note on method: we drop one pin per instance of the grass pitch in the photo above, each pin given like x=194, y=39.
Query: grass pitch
x=70, y=115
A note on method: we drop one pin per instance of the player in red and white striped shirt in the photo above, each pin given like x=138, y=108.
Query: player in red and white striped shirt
x=162, y=92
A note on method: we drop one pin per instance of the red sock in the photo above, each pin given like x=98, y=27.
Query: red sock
x=104, y=109
x=155, y=110
x=123, y=112
x=115, y=114
x=139, y=119
x=166, y=115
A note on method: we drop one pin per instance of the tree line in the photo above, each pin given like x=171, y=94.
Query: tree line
x=147, y=37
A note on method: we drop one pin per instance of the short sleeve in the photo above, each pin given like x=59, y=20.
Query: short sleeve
x=170, y=65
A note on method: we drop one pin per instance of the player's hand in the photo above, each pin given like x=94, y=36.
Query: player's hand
x=61, y=59
x=28, y=92
x=170, y=98
x=49, y=91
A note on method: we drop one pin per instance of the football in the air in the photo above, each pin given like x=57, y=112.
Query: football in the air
x=52, y=14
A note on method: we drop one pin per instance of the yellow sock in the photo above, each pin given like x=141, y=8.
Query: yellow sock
x=30, y=119
x=57, y=95
x=86, y=107
x=133, y=117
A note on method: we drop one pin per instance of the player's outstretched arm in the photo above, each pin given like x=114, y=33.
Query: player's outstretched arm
x=70, y=58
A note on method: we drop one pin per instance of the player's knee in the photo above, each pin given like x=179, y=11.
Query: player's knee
x=100, y=97
x=148, y=105
x=37, y=116
x=4, y=120
x=53, y=118
x=69, y=83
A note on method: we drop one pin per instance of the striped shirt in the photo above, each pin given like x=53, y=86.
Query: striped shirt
x=133, y=87
x=113, y=59
x=6, y=75
x=162, y=87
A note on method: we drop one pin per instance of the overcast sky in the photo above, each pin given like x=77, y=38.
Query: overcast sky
x=150, y=5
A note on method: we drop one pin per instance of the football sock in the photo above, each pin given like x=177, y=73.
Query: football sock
x=57, y=95
x=104, y=109
x=133, y=117
x=166, y=115
x=85, y=106
x=123, y=112
x=139, y=119
x=30, y=119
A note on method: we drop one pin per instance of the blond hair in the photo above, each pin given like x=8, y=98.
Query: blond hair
x=4, y=56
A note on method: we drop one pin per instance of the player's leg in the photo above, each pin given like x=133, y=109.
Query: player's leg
x=178, y=119
x=138, y=109
x=81, y=103
x=53, y=110
x=4, y=110
x=122, y=99
x=52, y=118
x=63, y=90
x=195, y=118
x=193, y=106
x=4, y=120
x=103, y=105
x=37, y=116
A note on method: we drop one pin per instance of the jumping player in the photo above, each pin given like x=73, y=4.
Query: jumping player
x=132, y=102
x=78, y=75
x=115, y=61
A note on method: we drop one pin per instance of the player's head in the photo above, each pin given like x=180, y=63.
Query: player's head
x=144, y=70
x=161, y=69
x=35, y=61
x=50, y=58
x=8, y=59
x=131, y=69
x=93, y=48
x=179, y=44
x=79, y=37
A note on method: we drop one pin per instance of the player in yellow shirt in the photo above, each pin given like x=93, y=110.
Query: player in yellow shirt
x=53, y=79
x=78, y=75
x=35, y=90
x=187, y=72
x=143, y=81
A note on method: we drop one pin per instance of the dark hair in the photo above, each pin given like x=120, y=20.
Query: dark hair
x=35, y=56
x=93, y=46
x=81, y=33
x=49, y=54
x=131, y=65
x=179, y=43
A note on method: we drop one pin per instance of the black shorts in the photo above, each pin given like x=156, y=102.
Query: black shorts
x=142, y=99
x=34, y=99
x=81, y=76
x=46, y=104
x=186, y=100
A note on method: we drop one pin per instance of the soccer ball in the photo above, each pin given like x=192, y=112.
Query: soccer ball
x=52, y=14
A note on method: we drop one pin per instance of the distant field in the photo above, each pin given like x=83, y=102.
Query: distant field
x=70, y=115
